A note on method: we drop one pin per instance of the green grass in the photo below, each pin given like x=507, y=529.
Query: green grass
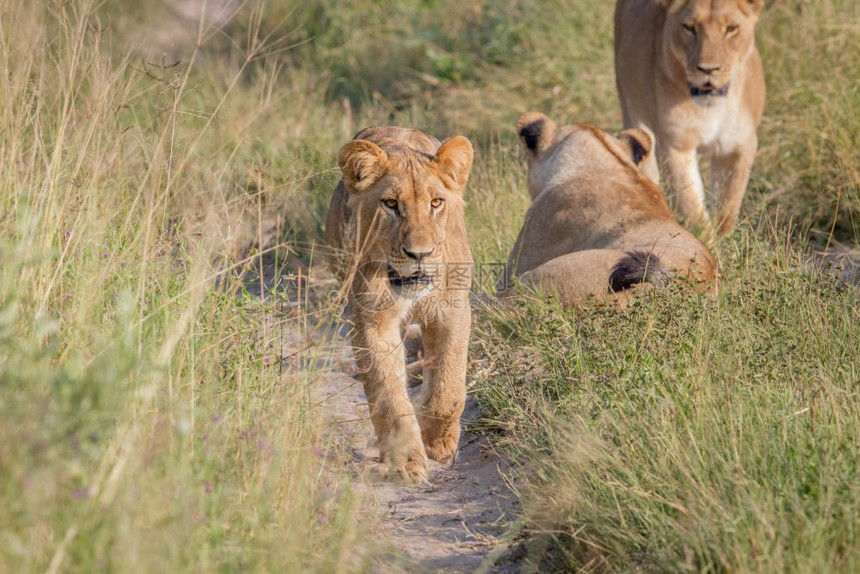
x=142, y=427
x=689, y=432
x=146, y=421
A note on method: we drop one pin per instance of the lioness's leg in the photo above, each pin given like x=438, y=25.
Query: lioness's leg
x=443, y=396
x=687, y=189
x=380, y=358
x=731, y=174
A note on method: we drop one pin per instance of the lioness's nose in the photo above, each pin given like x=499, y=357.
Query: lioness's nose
x=417, y=255
x=708, y=68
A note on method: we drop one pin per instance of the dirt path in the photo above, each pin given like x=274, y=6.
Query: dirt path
x=455, y=524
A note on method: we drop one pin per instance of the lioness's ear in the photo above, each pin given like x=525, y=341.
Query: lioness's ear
x=536, y=131
x=637, y=144
x=756, y=5
x=454, y=159
x=362, y=164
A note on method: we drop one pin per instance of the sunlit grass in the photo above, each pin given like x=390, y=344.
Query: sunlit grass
x=149, y=168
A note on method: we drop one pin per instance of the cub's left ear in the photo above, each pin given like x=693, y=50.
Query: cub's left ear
x=454, y=159
x=637, y=144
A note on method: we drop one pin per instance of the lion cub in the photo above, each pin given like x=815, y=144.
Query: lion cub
x=690, y=71
x=397, y=230
x=597, y=227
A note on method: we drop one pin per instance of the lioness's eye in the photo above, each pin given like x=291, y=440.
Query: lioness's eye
x=390, y=203
x=437, y=203
x=691, y=28
x=731, y=30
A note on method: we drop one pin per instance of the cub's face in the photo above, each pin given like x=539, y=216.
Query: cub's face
x=407, y=204
x=711, y=39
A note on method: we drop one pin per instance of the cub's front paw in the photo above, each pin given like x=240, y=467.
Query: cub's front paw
x=406, y=457
x=442, y=447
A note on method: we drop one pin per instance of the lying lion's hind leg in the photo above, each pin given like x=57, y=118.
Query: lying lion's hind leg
x=638, y=267
x=604, y=275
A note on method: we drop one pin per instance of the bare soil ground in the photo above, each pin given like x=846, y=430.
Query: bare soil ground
x=454, y=524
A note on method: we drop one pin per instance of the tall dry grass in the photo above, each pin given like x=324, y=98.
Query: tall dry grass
x=147, y=422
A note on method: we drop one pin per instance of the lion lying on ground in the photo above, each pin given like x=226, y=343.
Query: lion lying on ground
x=597, y=227
x=689, y=70
x=397, y=229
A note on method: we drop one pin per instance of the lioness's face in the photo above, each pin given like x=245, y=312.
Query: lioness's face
x=711, y=39
x=407, y=203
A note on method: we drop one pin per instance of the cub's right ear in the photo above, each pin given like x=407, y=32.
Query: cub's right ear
x=362, y=164
x=536, y=131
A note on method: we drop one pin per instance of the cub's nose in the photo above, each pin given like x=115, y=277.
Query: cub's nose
x=417, y=255
x=708, y=68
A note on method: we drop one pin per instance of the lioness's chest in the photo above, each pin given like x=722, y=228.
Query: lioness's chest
x=718, y=128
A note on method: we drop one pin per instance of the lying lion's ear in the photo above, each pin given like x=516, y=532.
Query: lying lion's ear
x=536, y=131
x=454, y=159
x=637, y=144
x=362, y=164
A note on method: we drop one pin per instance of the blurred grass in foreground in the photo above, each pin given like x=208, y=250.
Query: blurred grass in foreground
x=146, y=423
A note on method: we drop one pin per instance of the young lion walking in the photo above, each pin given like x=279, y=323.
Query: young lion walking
x=397, y=229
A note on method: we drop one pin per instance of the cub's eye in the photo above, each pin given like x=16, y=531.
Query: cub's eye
x=437, y=203
x=390, y=203
x=731, y=30
x=690, y=28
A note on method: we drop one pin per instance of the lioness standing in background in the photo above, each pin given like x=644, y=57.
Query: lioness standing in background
x=690, y=71
x=398, y=234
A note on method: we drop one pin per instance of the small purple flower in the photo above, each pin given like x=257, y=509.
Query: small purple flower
x=266, y=361
x=208, y=488
x=216, y=418
x=105, y=255
x=181, y=262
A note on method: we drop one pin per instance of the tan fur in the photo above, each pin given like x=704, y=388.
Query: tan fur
x=591, y=207
x=369, y=241
x=658, y=60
